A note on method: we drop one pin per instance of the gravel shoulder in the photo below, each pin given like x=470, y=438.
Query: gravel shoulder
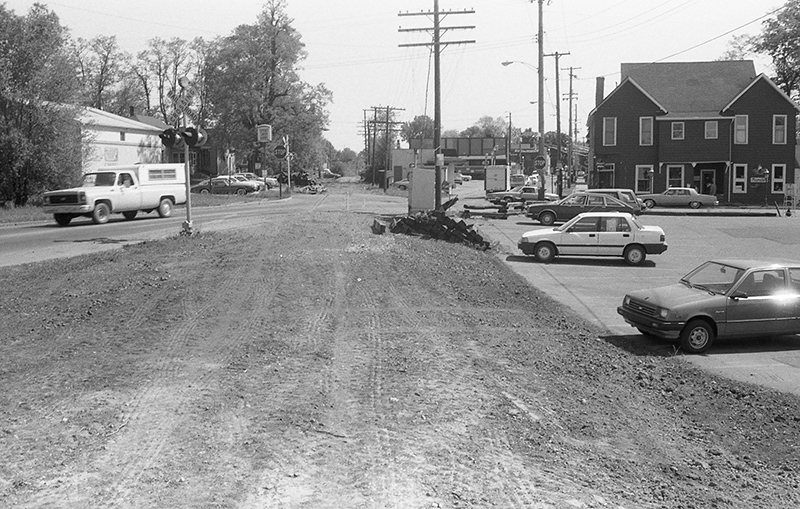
x=311, y=363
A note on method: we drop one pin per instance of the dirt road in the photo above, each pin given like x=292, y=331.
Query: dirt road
x=310, y=363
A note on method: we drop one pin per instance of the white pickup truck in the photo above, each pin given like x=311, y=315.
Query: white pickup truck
x=120, y=189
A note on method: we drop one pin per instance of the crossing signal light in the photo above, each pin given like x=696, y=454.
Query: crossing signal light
x=194, y=136
x=171, y=138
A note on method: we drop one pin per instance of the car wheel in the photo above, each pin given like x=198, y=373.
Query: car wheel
x=634, y=255
x=130, y=214
x=165, y=208
x=101, y=213
x=694, y=204
x=63, y=219
x=544, y=252
x=547, y=218
x=697, y=336
x=205, y=191
x=649, y=204
x=402, y=188
x=241, y=192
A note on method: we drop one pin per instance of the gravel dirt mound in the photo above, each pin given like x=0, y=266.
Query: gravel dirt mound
x=312, y=363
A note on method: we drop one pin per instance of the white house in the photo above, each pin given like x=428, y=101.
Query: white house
x=116, y=140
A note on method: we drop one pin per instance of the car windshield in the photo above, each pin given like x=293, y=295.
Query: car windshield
x=99, y=179
x=713, y=277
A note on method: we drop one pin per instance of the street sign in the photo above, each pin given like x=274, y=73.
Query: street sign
x=539, y=162
x=264, y=132
x=280, y=152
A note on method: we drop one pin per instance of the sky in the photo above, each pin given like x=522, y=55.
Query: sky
x=354, y=48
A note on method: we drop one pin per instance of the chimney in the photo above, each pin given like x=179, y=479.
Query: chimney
x=599, y=92
x=132, y=112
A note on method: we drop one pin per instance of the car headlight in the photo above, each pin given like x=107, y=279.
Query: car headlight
x=662, y=313
x=626, y=301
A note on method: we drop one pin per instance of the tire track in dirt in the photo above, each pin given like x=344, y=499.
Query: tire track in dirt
x=159, y=408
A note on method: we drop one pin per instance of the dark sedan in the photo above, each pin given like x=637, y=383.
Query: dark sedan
x=225, y=185
x=574, y=204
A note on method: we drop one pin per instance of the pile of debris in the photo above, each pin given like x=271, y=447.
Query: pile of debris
x=435, y=225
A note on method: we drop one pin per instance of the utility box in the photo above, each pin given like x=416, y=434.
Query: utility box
x=498, y=178
x=422, y=190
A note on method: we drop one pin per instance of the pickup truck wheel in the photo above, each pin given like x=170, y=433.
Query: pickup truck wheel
x=165, y=208
x=63, y=219
x=697, y=336
x=101, y=213
x=241, y=192
x=544, y=252
x=547, y=218
x=130, y=214
x=634, y=255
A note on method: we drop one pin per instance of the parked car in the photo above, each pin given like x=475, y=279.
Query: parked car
x=623, y=195
x=250, y=177
x=224, y=185
x=726, y=298
x=563, y=210
x=596, y=234
x=519, y=193
x=270, y=182
x=458, y=179
x=326, y=173
x=679, y=197
x=402, y=184
x=464, y=177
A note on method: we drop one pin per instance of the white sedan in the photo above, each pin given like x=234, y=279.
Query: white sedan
x=596, y=234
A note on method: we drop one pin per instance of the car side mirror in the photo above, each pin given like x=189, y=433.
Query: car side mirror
x=738, y=295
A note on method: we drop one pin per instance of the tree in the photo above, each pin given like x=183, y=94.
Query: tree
x=739, y=47
x=780, y=39
x=40, y=138
x=251, y=79
x=487, y=127
x=100, y=62
x=420, y=127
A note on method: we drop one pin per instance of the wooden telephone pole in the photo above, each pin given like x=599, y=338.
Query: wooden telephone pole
x=437, y=45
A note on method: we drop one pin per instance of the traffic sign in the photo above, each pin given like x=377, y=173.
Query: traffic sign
x=280, y=152
x=539, y=162
x=264, y=132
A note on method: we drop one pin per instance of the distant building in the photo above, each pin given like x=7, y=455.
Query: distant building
x=715, y=126
x=115, y=140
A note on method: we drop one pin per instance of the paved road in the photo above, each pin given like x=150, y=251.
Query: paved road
x=595, y=287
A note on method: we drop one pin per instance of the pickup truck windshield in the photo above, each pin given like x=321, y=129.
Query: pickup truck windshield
x=99, y=179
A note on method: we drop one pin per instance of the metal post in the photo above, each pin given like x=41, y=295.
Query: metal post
x=188, y=227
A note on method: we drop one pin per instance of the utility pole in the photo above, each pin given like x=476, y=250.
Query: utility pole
x=570, y=159
x=540, y=40
x=437, y=108
x=558, y=126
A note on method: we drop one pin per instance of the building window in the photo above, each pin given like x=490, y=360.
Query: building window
x=675, y=176
x=609, y=131
x=739, y=178
x=778, y=178
x=712, y=129
x=677, y=130
x=644, y=178
x=122, y=136
x=779, y=129
x=645, y=131
x=740, y=130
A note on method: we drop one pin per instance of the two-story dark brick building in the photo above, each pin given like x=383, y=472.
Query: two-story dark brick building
x=715, y=126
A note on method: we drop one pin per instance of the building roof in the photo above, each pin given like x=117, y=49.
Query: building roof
x=692, y=89
x=103, y=119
